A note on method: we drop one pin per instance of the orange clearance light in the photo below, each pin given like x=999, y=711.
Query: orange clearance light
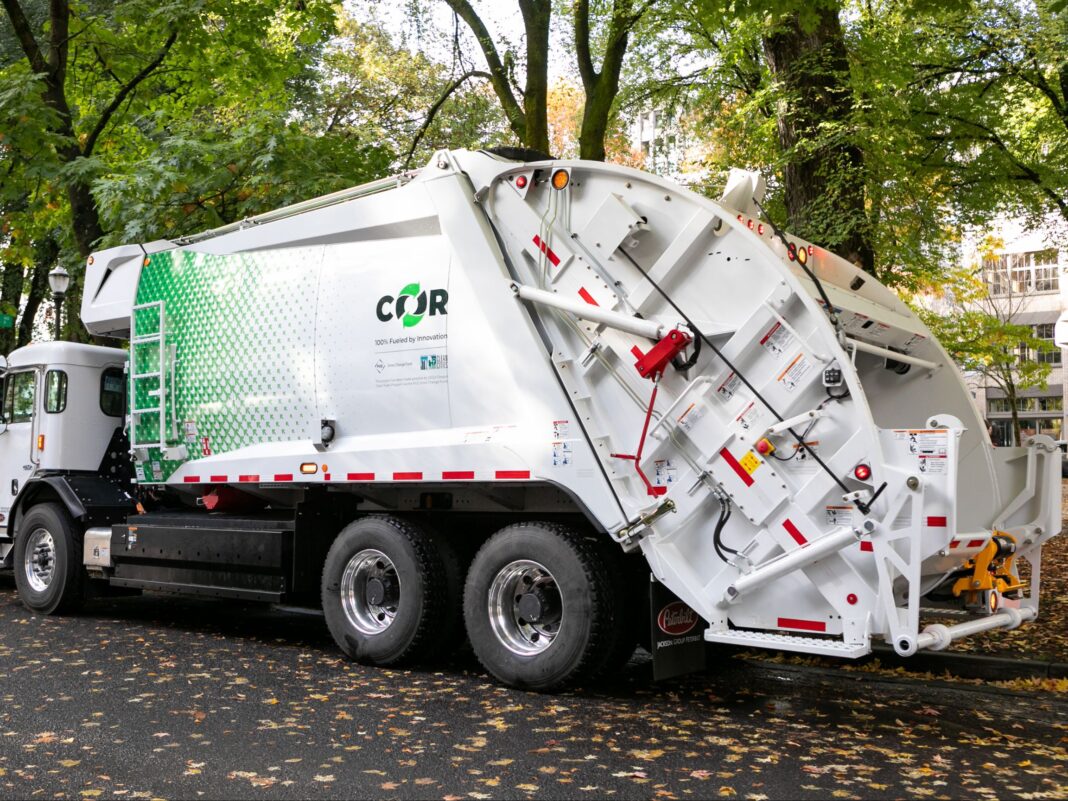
x=90, y=259
x=147, y=260
x=40, y=442
x=862, y=472
x=307, y=468
x=560, y=179
x=802, y=255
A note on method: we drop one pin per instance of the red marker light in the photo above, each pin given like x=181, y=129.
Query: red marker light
x=750, y=224
x=862, y=472
x=760, y=229
x=851, y=599
x=521, y=181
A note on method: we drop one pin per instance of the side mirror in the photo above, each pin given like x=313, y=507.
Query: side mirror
x=3, y=364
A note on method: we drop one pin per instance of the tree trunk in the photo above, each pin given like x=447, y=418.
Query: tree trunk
x=536, y=18
x=45, y=253
x=10, y=296
x=1016, y=438
x=824, y=172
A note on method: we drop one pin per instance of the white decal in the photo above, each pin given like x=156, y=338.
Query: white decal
x=792, y=375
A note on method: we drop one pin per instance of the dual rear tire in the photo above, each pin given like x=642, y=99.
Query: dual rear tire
x=543, y=606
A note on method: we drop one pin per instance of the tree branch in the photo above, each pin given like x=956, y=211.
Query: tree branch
x=437, y=107
x=498, y=74
x=25, y=37
x=124, y=92
x=59, y=14
x=582, y=45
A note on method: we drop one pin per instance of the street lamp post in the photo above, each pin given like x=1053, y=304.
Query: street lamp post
x=59, y=280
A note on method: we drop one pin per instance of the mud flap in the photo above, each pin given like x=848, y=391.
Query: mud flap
x=676, y=634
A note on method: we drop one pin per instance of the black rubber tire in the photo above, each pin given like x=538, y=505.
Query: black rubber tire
x=629, y=608
x=586, y=590
x=429, y=582
x=66, y=590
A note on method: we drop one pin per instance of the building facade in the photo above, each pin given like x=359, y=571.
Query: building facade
x=1025, y=275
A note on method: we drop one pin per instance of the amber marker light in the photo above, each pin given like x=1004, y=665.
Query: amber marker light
x=560, y=179
x=40, y=442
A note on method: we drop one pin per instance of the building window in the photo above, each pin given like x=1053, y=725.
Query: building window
x=1045, y=331
x=996, y=405
x=1051, y=404
x=1022, y=273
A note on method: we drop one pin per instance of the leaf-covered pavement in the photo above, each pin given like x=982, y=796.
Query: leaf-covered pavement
x=158, y=697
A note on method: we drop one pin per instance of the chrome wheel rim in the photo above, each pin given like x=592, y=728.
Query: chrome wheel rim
x=525, y=607
x=370, y=591
x=40, y=564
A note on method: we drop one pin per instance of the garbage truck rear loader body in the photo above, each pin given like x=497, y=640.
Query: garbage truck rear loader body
x=574, y=368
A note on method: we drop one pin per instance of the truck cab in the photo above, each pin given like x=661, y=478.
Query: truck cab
x=63, y=403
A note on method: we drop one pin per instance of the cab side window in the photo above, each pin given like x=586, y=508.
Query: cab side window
x=113, y=392
x=18, y=398
x=55, y=391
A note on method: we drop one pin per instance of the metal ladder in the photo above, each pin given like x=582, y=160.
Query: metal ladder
x=140, y=343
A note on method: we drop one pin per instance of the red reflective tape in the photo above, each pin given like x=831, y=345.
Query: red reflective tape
x=586, y=296
x=744, y=476
x=936, y=522
x=218, y=478
x=326, y=476
x=804, y=625
x=866, y=545
x=457, y=475
x=254, y=477
x=191, y=479
x=407, y=476
x=512, y=474
x=553, y=258
x=361, y=477
x=794, y=532
x=975, y=543
x=954, y=544
x=283, y=476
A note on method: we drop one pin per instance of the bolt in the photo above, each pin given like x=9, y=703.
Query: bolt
x=912, y=483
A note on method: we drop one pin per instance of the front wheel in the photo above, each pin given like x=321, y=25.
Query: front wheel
x=48, y=561
x=538, y=606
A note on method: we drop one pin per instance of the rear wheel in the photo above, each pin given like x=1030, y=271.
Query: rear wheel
x=537, y=606
x=48, y=560
x=390, y=591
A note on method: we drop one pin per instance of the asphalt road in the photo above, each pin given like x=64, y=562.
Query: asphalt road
x=158, y=697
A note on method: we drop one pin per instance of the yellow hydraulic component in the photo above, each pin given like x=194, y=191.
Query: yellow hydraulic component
x=993, y=573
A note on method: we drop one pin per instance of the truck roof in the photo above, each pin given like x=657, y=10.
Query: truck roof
x=75, y=353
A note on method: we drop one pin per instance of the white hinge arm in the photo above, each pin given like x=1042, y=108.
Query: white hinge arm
x=650, y=329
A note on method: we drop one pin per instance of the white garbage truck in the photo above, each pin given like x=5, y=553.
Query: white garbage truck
x=496, y=398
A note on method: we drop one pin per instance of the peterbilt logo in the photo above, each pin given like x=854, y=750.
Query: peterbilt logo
x=676, y=619
x=412, y=304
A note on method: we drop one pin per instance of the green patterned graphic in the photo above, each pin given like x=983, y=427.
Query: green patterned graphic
x=242, y=329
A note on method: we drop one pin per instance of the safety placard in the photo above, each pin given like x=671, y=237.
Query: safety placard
x=750, y=416
x=791, y=377
x=776, y=340
x=690, y=415
x=839, y=515
x=929, y=446
x=729, y=386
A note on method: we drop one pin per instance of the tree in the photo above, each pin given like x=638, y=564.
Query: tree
x=609, y=24
x=991, y=99
x=974, y=321
x=96, y=88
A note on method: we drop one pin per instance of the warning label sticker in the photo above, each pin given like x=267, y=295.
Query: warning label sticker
x=561, y=454
x=791, y=377
x=729, y=386
x=750, y=462
x=690, y=415
x=839, y=515
x=750, y=417
x=665, y=472
x=776, y=340
x=802, y=460
x=930, y=447
x=561, y=429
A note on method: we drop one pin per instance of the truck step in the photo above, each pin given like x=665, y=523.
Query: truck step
x=789, y=642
